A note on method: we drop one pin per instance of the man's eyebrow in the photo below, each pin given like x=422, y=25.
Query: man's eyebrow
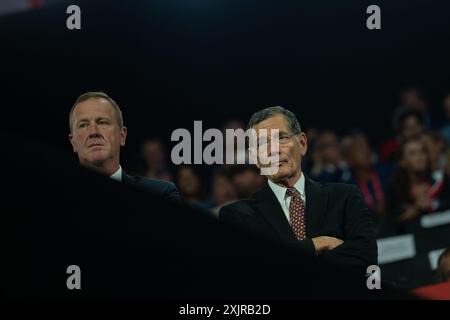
x=280, y=131
x=102, y=118
x=82, y=120
x=96, y=119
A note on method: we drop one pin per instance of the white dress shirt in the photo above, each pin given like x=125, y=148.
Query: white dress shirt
x=117, y=175
x=283, y=198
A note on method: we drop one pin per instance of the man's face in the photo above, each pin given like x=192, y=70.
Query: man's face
x=153, y=153
x=222, y=190
x=328, y=145
x=291, y=148
x=359, y=153
x=413, y=100
x=188, y=182
x=247, y=183
x=411, y=127
x=444, y=268
x=96, y=136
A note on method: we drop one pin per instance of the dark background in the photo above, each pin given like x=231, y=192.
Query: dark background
x=168, y=63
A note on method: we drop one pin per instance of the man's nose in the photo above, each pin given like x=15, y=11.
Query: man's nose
x=273, y=148
x=93, y=130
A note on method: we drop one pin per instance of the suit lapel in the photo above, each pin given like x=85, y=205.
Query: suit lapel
x=316, y=204
x=269, y=207
x=126, y=179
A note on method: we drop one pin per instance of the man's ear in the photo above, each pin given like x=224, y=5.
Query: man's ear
x=71, y=142
x=303, y=140
x=123, y=136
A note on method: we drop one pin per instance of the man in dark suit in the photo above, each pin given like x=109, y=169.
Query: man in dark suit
x=97, y=133
x=326, y=220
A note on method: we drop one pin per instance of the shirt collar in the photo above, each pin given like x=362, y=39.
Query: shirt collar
x=117, y=175
x=280, y=191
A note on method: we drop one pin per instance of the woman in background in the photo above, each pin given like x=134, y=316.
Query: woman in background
x=414, y=191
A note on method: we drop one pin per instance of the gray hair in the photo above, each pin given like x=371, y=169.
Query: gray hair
x=269, y=112
x=97, y=95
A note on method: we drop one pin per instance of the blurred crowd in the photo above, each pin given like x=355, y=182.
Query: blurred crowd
x=400, y=179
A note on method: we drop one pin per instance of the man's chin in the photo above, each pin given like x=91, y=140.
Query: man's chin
x=279, y=176
x=96, y=159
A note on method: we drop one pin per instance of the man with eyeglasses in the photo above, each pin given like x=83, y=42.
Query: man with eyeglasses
x=327, y=220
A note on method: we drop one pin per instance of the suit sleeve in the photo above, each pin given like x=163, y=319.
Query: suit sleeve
x=231, y=217
x=359, y=248
x=172, y=194
x=305, y=246
x=235, y=219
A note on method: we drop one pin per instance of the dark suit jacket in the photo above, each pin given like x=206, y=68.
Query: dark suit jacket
x=332, y=209
x=164, y=189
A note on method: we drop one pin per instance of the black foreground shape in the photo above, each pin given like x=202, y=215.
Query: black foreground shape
x=130, y=244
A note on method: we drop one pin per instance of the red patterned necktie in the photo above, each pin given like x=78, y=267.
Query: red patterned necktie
x=297, y=213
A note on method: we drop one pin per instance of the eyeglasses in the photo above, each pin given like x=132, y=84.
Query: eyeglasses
x=282, y=139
